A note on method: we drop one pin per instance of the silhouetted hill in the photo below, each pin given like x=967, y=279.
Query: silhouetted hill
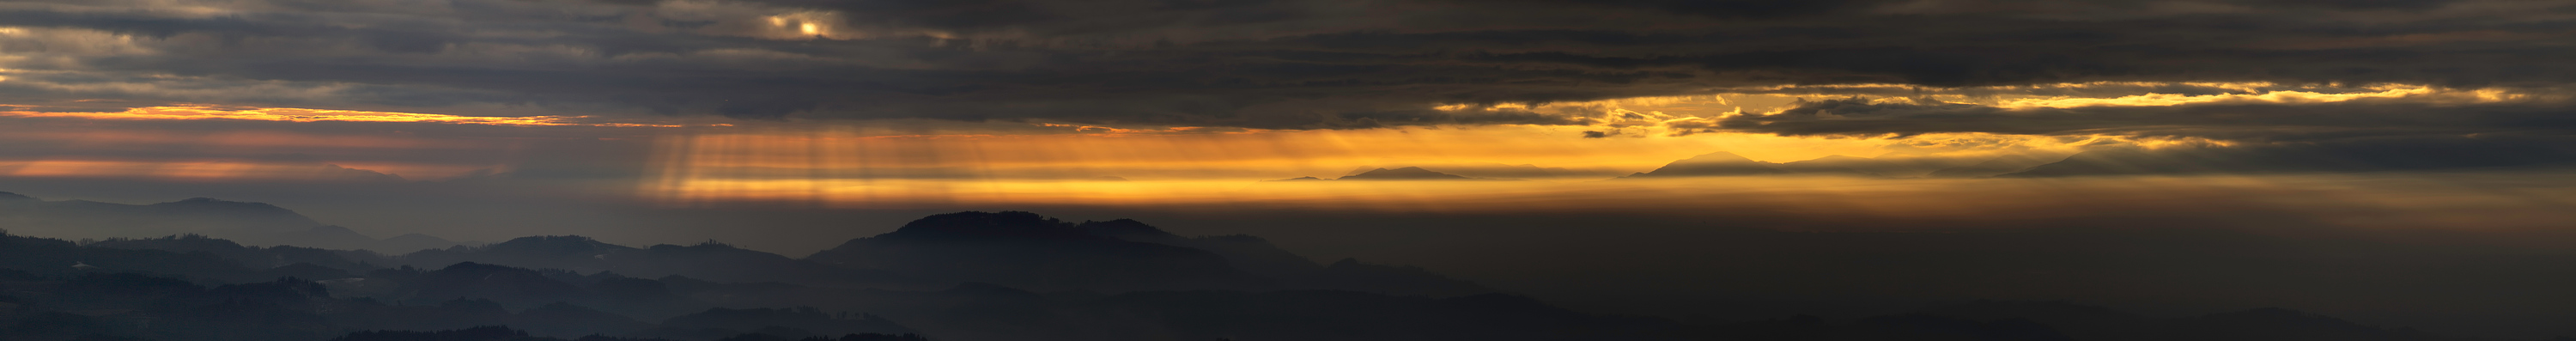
x=711, y=261
x=57, y=258
x=325, y=236
x=191, y=243
x=221, y=210
x=1838, y=164
x=90, y=219
x=575, y=253
x=7, y=197
x=249, y=256
x=1406, y=173
x=412, y=242
x=243, y=222
x=1024, y=250
x=981, y=226
x=1712, y=164
x=1520, y=171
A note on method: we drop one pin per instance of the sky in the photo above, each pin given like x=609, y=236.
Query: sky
x=791, y=125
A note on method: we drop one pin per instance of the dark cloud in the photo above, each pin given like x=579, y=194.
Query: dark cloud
x=1234, y=63
x=2226, y=121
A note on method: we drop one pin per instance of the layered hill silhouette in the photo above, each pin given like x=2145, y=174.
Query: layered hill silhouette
x=1082, y=269
x=489, y=302
x=1024, y=250
x=958, y=276
x=1015, y=249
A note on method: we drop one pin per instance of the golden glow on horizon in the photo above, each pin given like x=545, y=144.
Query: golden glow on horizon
x=842, y=167
x=2356, y=200
x=210, y=112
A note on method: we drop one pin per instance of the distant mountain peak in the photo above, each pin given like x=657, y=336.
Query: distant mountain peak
x=1721, y=156
x=1406, y=173
x=1713, y=164
x=6, y=196
x=986, y=225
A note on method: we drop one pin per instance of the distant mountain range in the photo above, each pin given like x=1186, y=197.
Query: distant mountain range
x=968, y=276
x=245, y=222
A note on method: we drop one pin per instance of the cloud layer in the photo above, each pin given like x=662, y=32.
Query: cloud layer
x=1262, y=64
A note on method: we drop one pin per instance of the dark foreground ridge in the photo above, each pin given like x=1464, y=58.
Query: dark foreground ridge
x=958, y=276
